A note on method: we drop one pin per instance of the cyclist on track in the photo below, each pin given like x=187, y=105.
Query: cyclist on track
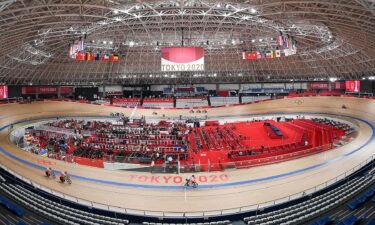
x=49, y=172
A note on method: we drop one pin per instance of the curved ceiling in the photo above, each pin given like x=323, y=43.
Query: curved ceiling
x=335, y=39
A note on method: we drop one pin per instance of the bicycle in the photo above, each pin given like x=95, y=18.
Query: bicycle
x=66, y=179
x=191, y=184
x=50, y=173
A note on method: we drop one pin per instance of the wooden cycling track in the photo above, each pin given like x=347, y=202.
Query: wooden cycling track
x=157, y=192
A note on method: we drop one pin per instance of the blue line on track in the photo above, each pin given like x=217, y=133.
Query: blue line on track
x=209, y=185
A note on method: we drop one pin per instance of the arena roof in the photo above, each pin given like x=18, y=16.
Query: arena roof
x=336, y=38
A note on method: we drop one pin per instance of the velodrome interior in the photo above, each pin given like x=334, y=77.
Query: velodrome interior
x=187, y=112
x=157, y=199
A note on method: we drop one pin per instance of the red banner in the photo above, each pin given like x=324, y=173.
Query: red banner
x=3, y=91
x=319, y=85
x=66, y=90
x=326, y=85
x=353, y=85
x=223, y=93
x=339, y=85
x=29, y=90
x=41, y=90
x=47, y=90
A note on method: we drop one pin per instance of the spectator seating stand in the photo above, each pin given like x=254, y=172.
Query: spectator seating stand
x=349, y=220
x=322, y=221
x=12, y=206
x=371, y=222
x=361, y=199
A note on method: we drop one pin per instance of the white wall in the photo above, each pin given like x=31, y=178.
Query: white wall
x=116, y=88
x=229, y=87
x=304, y=86
x=274, y=85
x=207, y=86
x=251, y=86
x=159, y=87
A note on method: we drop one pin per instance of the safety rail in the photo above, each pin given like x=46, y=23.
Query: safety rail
x=229, y=211
x=69, y=132
x=194, y=107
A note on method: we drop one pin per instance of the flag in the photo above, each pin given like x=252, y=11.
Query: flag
x=76, y=46
x=115, y=58
x=287, y=52
x=250, y=55
x=269, y=54
x=71, y=51
x=282, y=53
x=277, y=53
x=74, y=49
x=294, y=43
x=80, y=56
x=285, y=45
x=289, y=42
x=90, y=56
x=105, y=57
x=293, y=51
x=259, y=55
x=280, y=39
x=81, y=46
x=44, y=153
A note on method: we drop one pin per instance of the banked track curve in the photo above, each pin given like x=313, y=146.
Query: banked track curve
x=252, y=186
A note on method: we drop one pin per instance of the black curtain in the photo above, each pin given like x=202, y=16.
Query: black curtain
x=14, y=91
x=367, y=86
x=87, y=92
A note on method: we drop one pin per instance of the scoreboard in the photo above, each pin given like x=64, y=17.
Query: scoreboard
x=3, y=91
x=182, y=59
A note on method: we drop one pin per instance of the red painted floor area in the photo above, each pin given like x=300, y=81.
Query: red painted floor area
x=252, y=135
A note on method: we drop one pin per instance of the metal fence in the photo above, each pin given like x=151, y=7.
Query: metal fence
x=230, y=211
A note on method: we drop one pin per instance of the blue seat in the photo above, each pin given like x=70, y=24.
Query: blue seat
x=354, y=204
x=371, y=222
x=361, y=199
x=11, y=206
x=349, y=220
x=22, y=223
x=276, y=131
x=322, y=221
